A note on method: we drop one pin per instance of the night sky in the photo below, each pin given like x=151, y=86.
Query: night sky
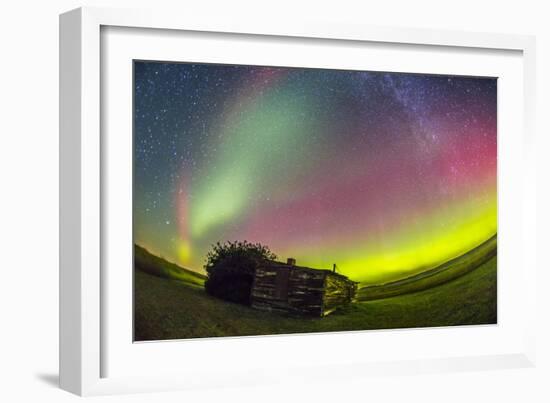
x=384, y=174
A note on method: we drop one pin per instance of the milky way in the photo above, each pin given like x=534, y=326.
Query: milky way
x=384, y=174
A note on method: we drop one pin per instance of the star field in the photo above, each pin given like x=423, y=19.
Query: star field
x=384, y=174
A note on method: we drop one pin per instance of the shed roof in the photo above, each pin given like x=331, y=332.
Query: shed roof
x=275, y=264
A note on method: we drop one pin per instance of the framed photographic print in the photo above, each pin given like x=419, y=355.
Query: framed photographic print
x=285, y=190
x=373, y=186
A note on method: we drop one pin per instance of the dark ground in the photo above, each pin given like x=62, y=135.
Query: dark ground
x=175, y=309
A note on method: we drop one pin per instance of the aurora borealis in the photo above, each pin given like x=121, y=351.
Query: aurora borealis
x=384, y=174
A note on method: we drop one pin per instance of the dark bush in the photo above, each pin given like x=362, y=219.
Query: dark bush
x=230, y=269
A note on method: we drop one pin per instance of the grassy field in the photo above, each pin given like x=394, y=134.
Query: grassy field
x=177, y=309
x=159, y=267
x=430, y=278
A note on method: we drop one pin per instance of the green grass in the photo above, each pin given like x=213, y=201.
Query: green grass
x=159, y=267
x=430, y=278
x=169, y=309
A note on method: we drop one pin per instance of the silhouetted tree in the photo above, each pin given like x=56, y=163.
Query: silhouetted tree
x=230, y=269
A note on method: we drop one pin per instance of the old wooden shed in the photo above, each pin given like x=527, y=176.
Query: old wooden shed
x=285, y=287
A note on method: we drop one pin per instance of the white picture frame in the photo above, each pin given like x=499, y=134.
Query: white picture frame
x=86, y=345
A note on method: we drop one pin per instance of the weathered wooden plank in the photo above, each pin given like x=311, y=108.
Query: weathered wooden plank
x=298, y=290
